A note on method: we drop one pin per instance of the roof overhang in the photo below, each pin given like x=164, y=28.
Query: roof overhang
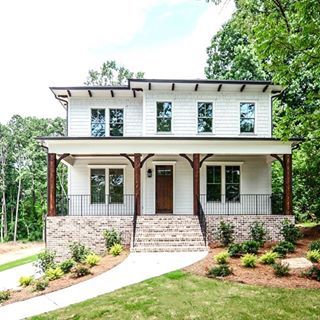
x=92, y=146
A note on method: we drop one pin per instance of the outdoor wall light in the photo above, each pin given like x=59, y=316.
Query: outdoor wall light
x=149, y=173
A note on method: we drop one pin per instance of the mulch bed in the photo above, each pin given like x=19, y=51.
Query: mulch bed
x=106, y=263
x=263, y=274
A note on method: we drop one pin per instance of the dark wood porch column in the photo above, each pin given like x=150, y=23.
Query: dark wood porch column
x=287, y=184
x=137, y=184
x=196, y=183
x=52, y=178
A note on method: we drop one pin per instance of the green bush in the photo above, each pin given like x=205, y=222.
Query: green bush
x=283, y=248
x=280, y=269
x=5, y=295
x=235, y=250
x=258, y=232
x=78, y=251
x=67, y=265
x=222, y=257
x=269, y=257
x=313, y=255
x=40, y=284
x=313, y=273
x=92, y=259
x=314, y=245
x=250, y=246
x=111, y=237
x=54, y=273
x=80, y=270
x=226, y=233
x=249, y=260
x=25, y=281
x=222, y=270
x=290, y=232
x=45, y=260
x=116, y=249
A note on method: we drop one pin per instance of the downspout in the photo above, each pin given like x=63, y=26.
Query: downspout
x=45, y=220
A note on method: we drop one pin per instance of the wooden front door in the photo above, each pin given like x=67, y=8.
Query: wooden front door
x=164, y=189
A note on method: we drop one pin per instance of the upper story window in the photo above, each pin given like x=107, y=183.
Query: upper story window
x=98, y=185
x=116, y=179
x=213, y=183
x=98, y=122
x=247, y=117
x=116, y=122
x=233, y=183
x=204, y=117
x=164, y=116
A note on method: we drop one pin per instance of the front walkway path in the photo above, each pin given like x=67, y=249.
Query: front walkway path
x=136, y=268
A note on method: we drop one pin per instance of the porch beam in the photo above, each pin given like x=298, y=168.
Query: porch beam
x=146, y=158
x=196, y=183
x=64, y=155
x=52, y=184
x=287, y=184
x=205, y=158
x=137, y=184
x=127, y=157
x=278, y=158
x=183, y=155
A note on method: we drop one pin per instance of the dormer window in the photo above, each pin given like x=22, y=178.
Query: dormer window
x=116, y=122
x=98, y=122
x=164, y=116
x=204, y=117
x=247, y=117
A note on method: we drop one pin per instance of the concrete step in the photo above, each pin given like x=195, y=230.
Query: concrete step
x=169, y=249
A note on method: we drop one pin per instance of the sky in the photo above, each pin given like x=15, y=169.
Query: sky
x=54, y=43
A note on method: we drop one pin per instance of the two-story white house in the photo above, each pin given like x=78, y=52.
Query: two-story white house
x=164, y=161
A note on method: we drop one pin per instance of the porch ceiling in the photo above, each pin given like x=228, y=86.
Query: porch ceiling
x=144, y=145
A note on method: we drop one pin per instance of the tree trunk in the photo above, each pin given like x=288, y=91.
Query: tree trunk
x=17, y=212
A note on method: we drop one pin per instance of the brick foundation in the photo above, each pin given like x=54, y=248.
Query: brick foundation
x=242, y=225
x=61, y=231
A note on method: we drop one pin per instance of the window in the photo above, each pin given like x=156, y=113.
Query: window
x=116, y=179
x=232, y=183
x=98, y=185
x=164, y=116
x=98, y=122
x=116, y=122
x=204, y=117
x=213, y=183
x=247, y=117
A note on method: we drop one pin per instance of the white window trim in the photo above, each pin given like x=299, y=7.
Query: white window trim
x=124, y=120
x=255, y=132
x=213, y=118
x=105, y=120
x=163, y=133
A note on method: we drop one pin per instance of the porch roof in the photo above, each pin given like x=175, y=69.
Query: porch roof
x=92, y=146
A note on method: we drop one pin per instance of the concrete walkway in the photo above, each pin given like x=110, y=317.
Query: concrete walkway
x=136, y=268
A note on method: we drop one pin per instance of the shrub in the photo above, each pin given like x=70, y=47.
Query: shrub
x=314, y=245
x=269, y=257
x=80, y=270
x=226, y=233
x=5, y=295
x=116, y=249
x=222, y=270
x=40, y=284
x=45, y=260
x=258, y=232
x=235, y=250
x=67, y=265
x=78, y=251
x=280, y=269
x=54, y=273
x=283, y=248
x=249, y=260
x=25, y=281
x=111, y=237
x=313, y=273
x=250, y=246
x=290, y=232
x=222, y=257
x=313, y=255
x=92, y=259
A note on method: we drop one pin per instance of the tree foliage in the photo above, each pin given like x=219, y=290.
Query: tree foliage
x=111, y=74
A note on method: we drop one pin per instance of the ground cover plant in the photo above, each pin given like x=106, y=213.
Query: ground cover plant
x=249, y=260
x=116, y=249
x=314, y=245
x=222, y=257
x=222, y=270
x=281, y=269
x=313, y=255
x=268, y=257
x=283, y=248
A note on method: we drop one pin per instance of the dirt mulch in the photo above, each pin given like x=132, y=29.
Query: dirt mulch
x=12, y=246
x=105, y=264
x=261, y=275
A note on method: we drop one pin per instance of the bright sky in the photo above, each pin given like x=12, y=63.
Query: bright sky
x=54, y=43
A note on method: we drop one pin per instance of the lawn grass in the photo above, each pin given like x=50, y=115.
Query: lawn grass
x=308, y=224
x=18, y=262
x=179, y=295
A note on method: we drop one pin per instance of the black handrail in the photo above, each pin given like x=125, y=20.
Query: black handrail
x=202, y=222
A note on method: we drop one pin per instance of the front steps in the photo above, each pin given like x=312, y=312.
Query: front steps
x=168, y=233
